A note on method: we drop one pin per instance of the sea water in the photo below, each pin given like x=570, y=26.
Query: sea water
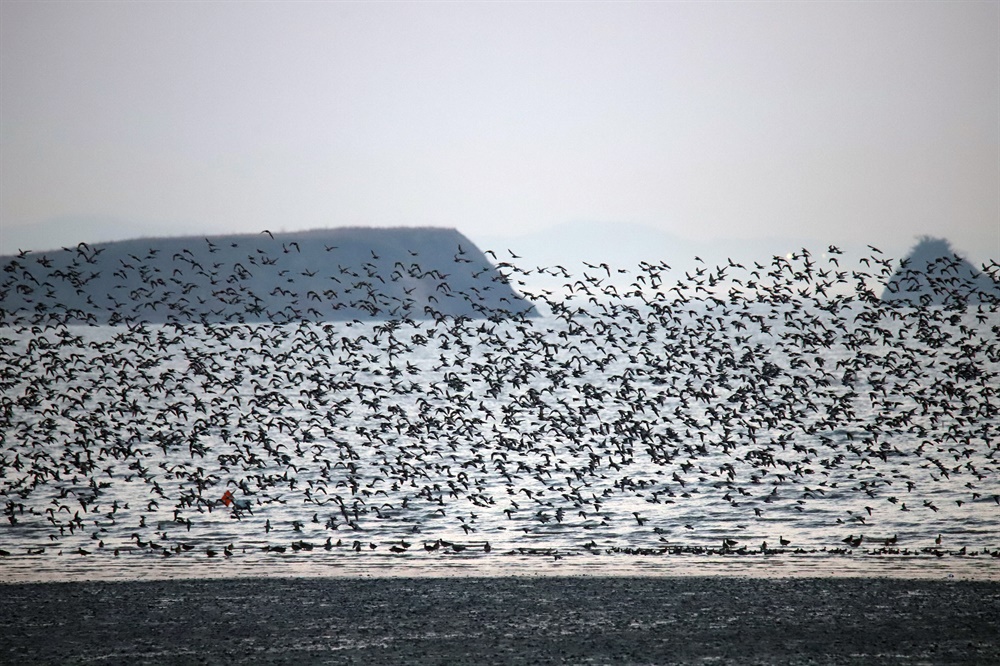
x=627, y=436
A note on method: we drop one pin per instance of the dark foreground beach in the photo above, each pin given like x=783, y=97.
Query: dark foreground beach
x=640, y=620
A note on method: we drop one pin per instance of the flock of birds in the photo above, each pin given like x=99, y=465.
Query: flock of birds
x=780, y=408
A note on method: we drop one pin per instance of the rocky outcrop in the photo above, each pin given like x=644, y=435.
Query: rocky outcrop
x=933, y=274
x=319, y=275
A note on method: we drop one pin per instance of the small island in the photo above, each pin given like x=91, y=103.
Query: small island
x=318, y=275
x=934, y=274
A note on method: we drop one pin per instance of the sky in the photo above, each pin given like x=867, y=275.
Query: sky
x=834, y=122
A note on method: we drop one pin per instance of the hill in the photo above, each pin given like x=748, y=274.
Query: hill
x=933, y=274
x=318, y=275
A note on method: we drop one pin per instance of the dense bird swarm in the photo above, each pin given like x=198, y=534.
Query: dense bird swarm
x=615, y=410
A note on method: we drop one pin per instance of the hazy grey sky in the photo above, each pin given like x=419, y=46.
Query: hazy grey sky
x=840, y=121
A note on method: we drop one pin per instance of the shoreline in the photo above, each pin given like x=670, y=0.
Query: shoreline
x=135, y=568
x=513, y=620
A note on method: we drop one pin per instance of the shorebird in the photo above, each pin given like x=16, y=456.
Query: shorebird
x=717, y=391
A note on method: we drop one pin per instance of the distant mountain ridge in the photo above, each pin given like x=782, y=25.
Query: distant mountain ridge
x=317, y=275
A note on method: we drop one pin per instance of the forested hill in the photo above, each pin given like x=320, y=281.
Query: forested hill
x=319, y=275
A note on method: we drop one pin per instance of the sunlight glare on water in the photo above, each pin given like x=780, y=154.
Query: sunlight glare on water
x=631, y=435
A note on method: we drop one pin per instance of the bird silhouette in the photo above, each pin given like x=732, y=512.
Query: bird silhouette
x=330, y=387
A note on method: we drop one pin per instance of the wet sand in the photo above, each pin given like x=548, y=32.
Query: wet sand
x=514, y=620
